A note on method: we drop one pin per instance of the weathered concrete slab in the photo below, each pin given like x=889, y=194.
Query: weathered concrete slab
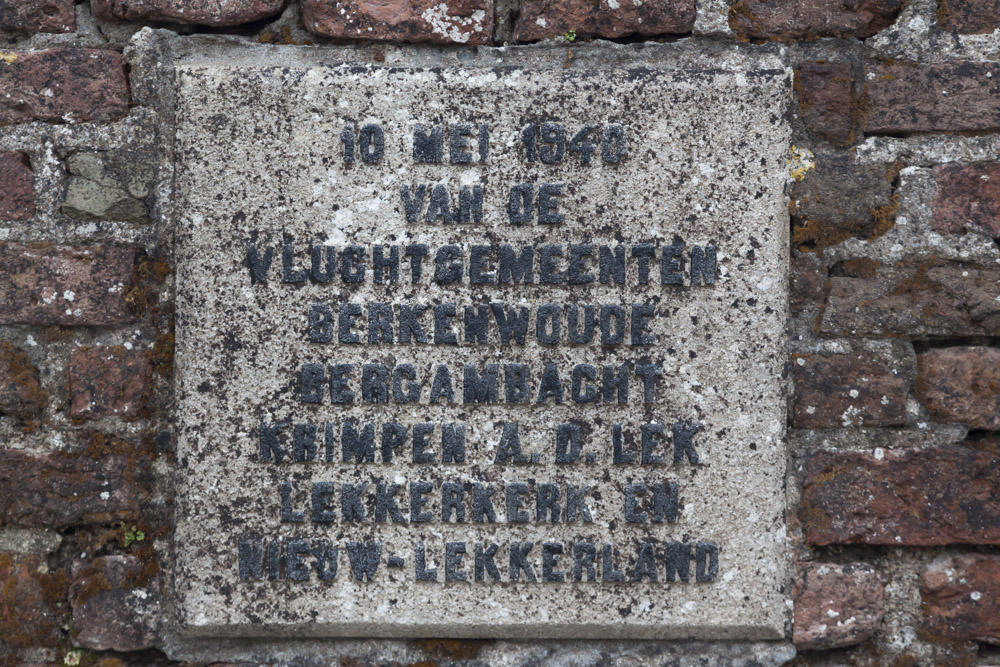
x=281, y=356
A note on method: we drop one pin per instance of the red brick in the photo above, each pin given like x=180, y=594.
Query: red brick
x=17, y=186
x=961, y=384
x=201, y=12
x=826, y=100
x=836, y=605
x=108, y=381
x=87, y=285
x=967, y=198
x=969, y=16
x=935, y=97
x=948, y=494
x=62, y=85
x=540, y=19
x=116, y=604
x=833, y=391
x=20, y=391
x=933, y=298
x=29, y=595
x=456, y=22
x=961, y=597
x=809, y=19
x=38, y=15
x=67, y=489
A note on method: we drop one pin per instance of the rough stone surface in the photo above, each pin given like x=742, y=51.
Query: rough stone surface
x=241, y=344
x=918, y=299
x=88, y=285
x=932, y=97
x=826, y=100
x=839, y=199
x=215, y=13
x=116, y=604
x=961, y=597
x=62, y=85
x=925, y=497
x=108, y=186
x=108, y=381
x=38, y=15
x=838, y=390
x=20, y=391
x=967, y=198
x=810, y=19
x=17, y=186
x=836, y=605
x=457, y=22
x=961, y=384
x=29, y=593
x=58, y=490
x=969, y=16
x=609, y=19
x=807, y=280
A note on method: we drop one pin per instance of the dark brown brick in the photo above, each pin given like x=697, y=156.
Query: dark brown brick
x=934, y=298
x=920, y=497
x=838, y=390
x=17, y=187
x=961, y=597
x=838, y=200
x=29, y=599
x=116, y=604
x=460, y=22
x=38, y=15
x=807, y=279
x=20, y=391
x=540, y=19
x=934, y=97
x=826, y=99
x=967, y=198
x=201, y=12
x=961, y=384
x=62, y=85
x=87, y=285
x=108, y=381
x=969, y=16
x=810, y=19
x=836, y=605
x=67, y=489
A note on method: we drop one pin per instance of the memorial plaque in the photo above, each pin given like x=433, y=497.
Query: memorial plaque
x=484, y=349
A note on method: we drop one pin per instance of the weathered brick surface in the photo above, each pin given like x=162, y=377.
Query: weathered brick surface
x=540, y=19
x=932, y=97
x=961, y=384
x=29, y=597
x=20, y=391
x=17, y=186
x=825, y=99
x=62, y=85
x=933, y=298
x=969, y=16
x=967, y=198
x=38, y=15
x=809, y=19
x=201, y=12
x=924, y=497
x=116, y=604
x=64, y=489
x=807, y=280
x=87, y=285
x=837, y=390
x=839, y=199
x=457, y=22
x=836, y=605
x=961, y=596
x=108, y=381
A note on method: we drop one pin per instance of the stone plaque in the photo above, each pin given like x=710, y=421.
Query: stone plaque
x=482, y=349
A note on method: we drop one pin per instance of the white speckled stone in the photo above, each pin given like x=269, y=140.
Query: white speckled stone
x=258, y=155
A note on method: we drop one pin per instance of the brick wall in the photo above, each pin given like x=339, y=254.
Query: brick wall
x=894, y=475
